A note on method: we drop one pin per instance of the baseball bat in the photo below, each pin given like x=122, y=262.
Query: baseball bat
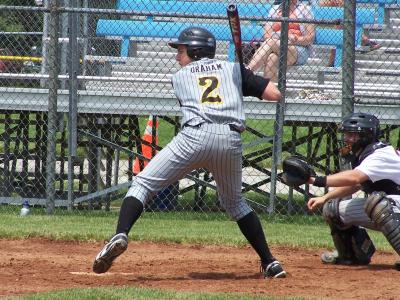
x=234, y=24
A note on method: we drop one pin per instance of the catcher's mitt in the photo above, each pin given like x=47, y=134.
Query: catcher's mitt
x=296, y=171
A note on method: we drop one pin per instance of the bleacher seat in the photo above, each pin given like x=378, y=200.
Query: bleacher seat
x=129, y=29
x=381, y=4
x=217, y=10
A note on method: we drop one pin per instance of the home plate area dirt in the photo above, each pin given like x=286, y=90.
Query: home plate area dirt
x=37, y=265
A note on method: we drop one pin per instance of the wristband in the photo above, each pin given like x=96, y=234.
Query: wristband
x=320, y=181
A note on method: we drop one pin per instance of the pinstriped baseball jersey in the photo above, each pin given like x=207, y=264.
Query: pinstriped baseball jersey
x=210, y=91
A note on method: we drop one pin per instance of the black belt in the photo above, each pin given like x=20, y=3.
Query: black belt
x=231, y=127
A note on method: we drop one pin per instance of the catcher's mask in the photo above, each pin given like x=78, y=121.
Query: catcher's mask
x=359, y=130
x=199, y=41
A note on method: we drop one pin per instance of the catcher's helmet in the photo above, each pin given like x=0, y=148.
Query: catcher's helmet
x=366, y=125
x=199, y=41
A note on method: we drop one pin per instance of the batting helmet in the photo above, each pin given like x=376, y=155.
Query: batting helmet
x=199, y=41
x=366, y=125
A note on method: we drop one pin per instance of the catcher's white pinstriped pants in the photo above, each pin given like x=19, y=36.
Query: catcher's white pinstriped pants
x=352, y=212
x=212, y=146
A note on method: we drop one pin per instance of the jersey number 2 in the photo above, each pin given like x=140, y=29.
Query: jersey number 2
x=210, y=94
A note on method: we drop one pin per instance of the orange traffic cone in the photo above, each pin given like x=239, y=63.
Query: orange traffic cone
x=147, y=150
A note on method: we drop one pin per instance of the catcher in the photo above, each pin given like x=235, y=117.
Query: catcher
x=376, y=171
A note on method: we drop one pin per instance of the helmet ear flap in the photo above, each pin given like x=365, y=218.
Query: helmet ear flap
x=193, y=53
x=199, y=41
x=197, y=53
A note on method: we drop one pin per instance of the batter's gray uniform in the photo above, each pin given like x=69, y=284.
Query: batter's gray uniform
x=210, y=93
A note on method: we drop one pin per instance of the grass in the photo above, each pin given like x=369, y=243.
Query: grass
x=123, y=293
x=176, y=227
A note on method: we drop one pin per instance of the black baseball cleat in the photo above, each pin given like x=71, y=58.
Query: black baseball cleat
x=273, y=270
x=114, y=248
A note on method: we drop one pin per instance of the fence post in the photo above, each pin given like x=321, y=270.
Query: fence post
x=73, y=69
x=64, y=43
x=45, y=48
x=52, y=106
x=280, y=107
x=85, y=34
x=348, y=58
x=348, y=67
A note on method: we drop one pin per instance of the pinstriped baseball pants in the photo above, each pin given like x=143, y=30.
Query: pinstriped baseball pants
x=214, y=147
x=352, y=212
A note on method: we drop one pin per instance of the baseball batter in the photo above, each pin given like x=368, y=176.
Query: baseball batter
x=210, y=93
x=376, y=171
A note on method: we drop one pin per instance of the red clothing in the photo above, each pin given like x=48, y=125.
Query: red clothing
x=294, y=28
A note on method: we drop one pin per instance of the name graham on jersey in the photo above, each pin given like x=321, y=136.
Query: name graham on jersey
x=206, y=68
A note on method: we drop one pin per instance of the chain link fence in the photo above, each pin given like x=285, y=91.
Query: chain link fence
x=86, y=98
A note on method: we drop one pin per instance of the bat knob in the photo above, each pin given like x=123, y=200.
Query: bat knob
x=232, y=7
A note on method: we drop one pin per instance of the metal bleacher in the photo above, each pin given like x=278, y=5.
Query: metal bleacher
x=377, y=77
x=154, y=61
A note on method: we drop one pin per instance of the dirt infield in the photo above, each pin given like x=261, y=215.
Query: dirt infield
x=37, y=265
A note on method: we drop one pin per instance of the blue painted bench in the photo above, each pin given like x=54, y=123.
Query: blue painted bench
x=170, y=30
x=205, y=8
x=381, y=5
x=249, y=11
x=246, y=10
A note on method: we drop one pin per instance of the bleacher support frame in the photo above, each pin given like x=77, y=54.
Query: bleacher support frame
x=92, y=127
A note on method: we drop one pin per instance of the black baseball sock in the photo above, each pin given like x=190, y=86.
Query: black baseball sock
x=131, y=209
x=251, y=228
